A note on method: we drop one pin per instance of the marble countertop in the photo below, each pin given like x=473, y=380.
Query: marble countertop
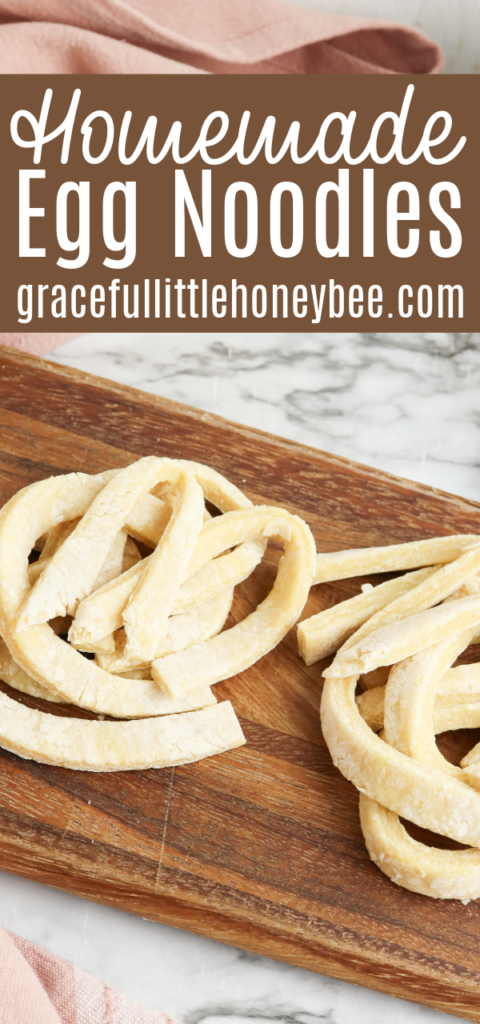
x=405, y=403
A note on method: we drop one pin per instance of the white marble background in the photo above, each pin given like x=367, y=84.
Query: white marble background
x=406, y=403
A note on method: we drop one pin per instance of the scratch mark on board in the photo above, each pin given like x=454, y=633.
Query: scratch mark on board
x=165, y=826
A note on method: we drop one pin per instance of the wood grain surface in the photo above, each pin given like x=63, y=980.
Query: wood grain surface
x=260, y=847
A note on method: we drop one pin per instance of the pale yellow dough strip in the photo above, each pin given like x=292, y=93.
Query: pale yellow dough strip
x=113, y=564
x=439, y=584
x=443, y=874
x=409, y=727
x=110, y=568
x=415, y=791
x=340, y=565
x=73, y=569
x=149, y=516
x=62, y=498
x=54, y=539
x=471, y=766
x=410, y=700
x=399, y=640
x=121, y=556
x=118, y=746
x=457, y=702
x=15, y=676
x=192, y=627
x=148, y=519
x=420, y=642
x=323, y=633
x=59, y=667
x=378, y=677
x=236, y=649
x=216, y=488
x=41, y=654
x=146, y=522
x=101, y=613
x=146, y=615
x=104, y=646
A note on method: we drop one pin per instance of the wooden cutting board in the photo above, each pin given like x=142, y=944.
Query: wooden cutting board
x=260, y=847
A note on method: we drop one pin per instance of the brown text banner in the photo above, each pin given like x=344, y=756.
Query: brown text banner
x=245, y=203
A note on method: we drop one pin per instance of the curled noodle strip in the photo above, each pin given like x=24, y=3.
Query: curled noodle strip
x=140, y=617
x=400, y=641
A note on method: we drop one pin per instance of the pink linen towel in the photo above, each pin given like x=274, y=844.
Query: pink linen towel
x=197, y=36
x=36, y=344
x=37, y=987
x=184, y=36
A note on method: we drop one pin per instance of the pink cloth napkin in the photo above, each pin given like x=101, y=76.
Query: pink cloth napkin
x=37, y=987
x=192, y=37
x=36, y=344
x=183, y=36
